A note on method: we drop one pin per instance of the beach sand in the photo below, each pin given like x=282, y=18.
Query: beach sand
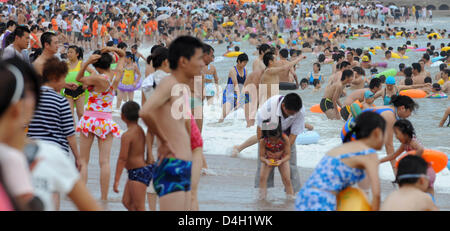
x=232, y=189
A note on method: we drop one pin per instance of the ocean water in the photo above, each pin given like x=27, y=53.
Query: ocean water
x=219, y=138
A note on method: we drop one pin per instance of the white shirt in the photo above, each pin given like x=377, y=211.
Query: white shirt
x=295, y=122
x=76, y=25
x=55, y=172
x=155, y=77
x=15, y=171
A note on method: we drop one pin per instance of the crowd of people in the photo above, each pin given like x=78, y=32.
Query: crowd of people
x=65, y=63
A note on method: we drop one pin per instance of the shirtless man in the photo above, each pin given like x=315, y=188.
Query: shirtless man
x=271, y=75
x=284, y=75
x=173, y=187
x=358, y=82
x=330, y=101
x=50, y=47
x=258, y=64
x=344, y=65
x=374, y=87
x=418, y=76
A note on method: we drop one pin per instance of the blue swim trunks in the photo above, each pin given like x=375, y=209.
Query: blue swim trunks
x=143, y=175
x=172, y=175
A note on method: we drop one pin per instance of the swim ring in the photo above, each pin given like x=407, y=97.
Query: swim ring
x=445, y=49
x=414, y=93
x=421, y=49
x=438, y=36
x=438, y=96
x=437, y=159
x=233, y=54
x=386, y=73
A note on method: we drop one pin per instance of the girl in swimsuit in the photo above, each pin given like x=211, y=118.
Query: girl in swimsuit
x=390, y=90
x=315, y=74
x=130, y=81
x=275, y=151
x=405, y=133
x=76, y=98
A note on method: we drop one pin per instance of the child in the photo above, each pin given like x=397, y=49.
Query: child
x=317, y=85
x=315, y=74
x=404, y=131
x=413, y=182
x=436, y=91
x=275, y=151
x=368, y=100
x=130, y=82
x=132, y=157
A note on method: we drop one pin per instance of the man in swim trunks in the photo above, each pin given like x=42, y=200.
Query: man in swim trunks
x=172, y=174
x=330, y=101
x=271, y=75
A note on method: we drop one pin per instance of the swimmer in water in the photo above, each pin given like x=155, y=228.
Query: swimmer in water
x=413, y=182
x=446, y=115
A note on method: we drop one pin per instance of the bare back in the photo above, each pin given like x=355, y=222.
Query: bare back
x=136, y=152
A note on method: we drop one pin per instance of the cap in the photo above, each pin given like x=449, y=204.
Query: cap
x=368, y=94
x=390, y=80
x=365, y=58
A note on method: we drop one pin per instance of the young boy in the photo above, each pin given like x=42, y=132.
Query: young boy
x=413, y=182
x=132, y=157
x=172, y=175
x=368, y=100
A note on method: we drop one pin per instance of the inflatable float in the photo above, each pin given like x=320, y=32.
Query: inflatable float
x=445, y=49
x=287, y=86
x=227, y=24
x=316, y=109
x=397, y=56
x=414, y=93
x=421, y=49
x=308, y=137
x=441, y=81
x=352, y=199
x=386, y=73
x=439, y=58
x=438, y=36
x=233, y=54
x=437, y=159
x=346, y=129
x=438, y=96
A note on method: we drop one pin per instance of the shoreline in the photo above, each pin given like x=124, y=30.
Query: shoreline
x=231, y=189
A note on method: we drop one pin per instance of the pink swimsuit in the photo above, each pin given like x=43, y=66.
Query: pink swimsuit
x=97, y=118
x=196, y=136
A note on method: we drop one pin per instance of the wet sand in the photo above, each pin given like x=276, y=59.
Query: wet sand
x=230, y=190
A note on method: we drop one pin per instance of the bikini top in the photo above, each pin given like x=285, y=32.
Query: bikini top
x=277, y=147
x=209, y=76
